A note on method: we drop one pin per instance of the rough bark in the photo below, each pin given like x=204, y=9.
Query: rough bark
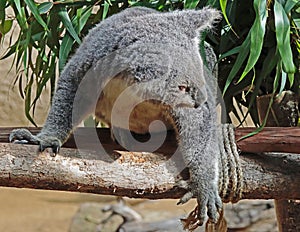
x=138, y=174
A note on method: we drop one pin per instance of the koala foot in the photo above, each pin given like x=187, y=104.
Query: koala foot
x=50, y=142
x=24, y=136
x=209, y=201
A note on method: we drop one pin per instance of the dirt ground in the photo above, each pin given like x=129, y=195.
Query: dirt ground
x=39, y=210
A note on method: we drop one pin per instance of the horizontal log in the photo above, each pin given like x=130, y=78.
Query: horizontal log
x=136, y=174
x=270, y=139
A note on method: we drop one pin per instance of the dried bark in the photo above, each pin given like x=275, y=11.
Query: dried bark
x=136, y=174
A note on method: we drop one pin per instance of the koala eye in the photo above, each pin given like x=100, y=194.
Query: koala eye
x=184, y=88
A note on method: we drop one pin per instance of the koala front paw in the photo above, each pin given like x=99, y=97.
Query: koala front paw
x=23, y=136
x=209, y=201
x=50, y=142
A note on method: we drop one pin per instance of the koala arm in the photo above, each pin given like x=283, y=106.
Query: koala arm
x=197, y=141
x=58, y=124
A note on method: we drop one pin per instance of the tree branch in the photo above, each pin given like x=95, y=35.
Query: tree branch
x=136, y=174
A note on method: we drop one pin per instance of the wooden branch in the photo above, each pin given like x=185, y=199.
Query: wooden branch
x=271, y=139
x=135, y=174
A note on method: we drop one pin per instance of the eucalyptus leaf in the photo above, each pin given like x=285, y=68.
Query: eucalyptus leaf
x=191, y=4
x=105, y=9
x=64, y=51
x=223, y=5
x=289, y=5
x=231, y=52
x=2, y=10
x=36, y=13
x=257, y=35
x=5, y=26
x=283, y=81
x=282, y=26
x=28, y=101
x=244, y=51
x=45, y=7
x=68, y=24
x=21, y=16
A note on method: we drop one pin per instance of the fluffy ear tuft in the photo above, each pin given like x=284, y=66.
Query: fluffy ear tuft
x=198, y=20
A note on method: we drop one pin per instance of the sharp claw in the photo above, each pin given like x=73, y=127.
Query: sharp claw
x=41, y=148
x=55, y=150
x=202, y=212
x=11, y=138
x=186, y=197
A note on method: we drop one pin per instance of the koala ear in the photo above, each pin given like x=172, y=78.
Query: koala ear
x=198, y=20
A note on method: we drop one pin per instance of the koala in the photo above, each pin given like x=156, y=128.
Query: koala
x=157, y=67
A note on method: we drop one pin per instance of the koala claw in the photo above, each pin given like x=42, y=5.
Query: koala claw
x=210, y=203
x=50, y=142
x=186, y=197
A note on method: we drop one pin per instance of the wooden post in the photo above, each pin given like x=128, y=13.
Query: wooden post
x=284, y=112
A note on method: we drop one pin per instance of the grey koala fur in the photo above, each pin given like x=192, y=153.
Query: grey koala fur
x=161, y=57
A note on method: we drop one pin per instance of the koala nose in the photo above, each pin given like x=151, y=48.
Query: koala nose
x=196, y=105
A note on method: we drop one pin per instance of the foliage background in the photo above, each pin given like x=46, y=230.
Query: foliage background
x=257, y=42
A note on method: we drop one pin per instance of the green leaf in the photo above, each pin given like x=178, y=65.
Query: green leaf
x=64, y=51
x=37, y=36
x=106, y=5
x=5, y=26
x=68, y=24
x=289, y=5
x=282, y=27
x=291, y=77
x=36, y=14
x=257, y=35
x=50, y=72
x=190, y=4
x=244, y=51
x=277, y=77
x=84, y=18
x=21, y=16
x=231, y=52
x=18, y=5
x=268, y=65
x=45, y=7
x=11, y=51
x=2, y=10
x=28, y=101
x=223, y=4
x=283, y=81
